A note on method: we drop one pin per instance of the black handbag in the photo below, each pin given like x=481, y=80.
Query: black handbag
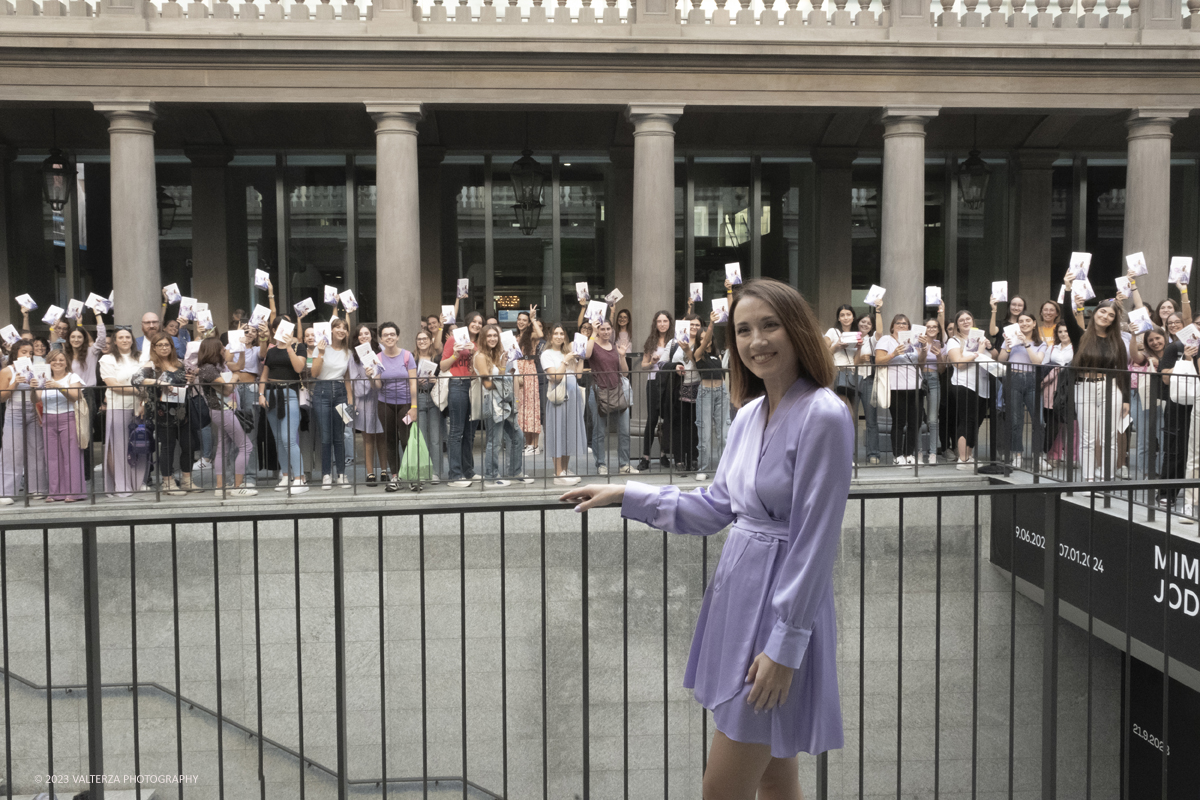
x=245, y=418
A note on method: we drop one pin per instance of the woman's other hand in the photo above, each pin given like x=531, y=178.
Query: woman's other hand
x=589, y=497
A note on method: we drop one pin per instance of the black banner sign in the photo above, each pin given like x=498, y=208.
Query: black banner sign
x=1107, y=564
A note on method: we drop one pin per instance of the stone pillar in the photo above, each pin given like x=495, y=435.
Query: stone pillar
x=1035, y=188
x=397, y=214
x=620, y=221
x=211, y=232
x=429, y=185
x=902, y=215
x=834, y=229
x=6, y=292
x=136, y=275
x=653, y=210
x=655, y=18
x=1148, y=194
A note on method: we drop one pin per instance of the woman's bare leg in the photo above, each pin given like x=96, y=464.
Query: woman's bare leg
x=739, y=771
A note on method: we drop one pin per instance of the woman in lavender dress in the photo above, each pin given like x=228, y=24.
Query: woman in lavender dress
x=82, y=357
x=366, y=402
x=764, y=655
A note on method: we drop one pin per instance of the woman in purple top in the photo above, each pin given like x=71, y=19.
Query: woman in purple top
x=396, y=381
x=764, y=655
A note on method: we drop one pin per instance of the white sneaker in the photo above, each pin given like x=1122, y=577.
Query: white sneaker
x=537, y=451
x=1016, y=460
x=966, y=466
x=901, y=461
x=1188, y=515
x=910, y=460
x=566, y=479
x=326, y=483
x=626, y=470
x=343, y=482
x=283, y=484
x=97, y=468
x=460, y=484
x=700, y=476
x=500, y=484
x=476, y=478
x=529, y=449
x=1046, y=465
x=6, y=501
x=589, y=451
x=299, y=486
x=932, y=459
x=1123, y=473
x=349, y=461
x=603, y=470
x=202, y=463
x=243, y=491
x=523, y=479
x=434, y=480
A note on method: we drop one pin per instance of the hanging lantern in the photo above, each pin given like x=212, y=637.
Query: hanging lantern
x=973, y=175
x=58, y=180
x=528, y=179
x=166, y=211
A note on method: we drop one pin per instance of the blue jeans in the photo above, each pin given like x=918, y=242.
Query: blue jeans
x=498, y=435
x=1146, y=433
x=870, y=414
x=432, y=422
x=600, y=434
x=712, y=416
x=286, y=432
x=326, y=397
x=933, y=396
x=1024, y=394
x=459, y=444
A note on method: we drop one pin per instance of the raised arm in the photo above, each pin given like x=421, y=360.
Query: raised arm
x=1187, y=304
x=992, y=329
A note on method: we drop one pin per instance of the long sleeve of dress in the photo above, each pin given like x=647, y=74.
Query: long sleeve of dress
x=701, y=512
x=818, y=505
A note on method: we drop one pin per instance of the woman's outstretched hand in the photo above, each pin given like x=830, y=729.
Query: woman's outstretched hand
x=771, y=681
x=589, y=497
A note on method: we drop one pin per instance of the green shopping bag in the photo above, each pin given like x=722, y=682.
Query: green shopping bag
x=416, y=464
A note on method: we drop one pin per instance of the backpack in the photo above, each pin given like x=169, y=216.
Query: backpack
x=141, y=439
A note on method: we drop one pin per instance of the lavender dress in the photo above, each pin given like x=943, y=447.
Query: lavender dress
x=782, y=486
x=366, y=399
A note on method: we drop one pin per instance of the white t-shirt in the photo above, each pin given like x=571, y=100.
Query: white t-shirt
x=1062, y=354
x=334, y=364
x=690, y=374
x=54, y=401
x=843, y=356
x=120, y=371
x=902, y=371
x=967, y=375
x=552, y=359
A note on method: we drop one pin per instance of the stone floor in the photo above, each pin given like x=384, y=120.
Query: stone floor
x=523, y=663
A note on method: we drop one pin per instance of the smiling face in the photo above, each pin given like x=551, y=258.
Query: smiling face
x=388, y=336
x=58, y=364
x=864, y=326
x=1063, y=334
x=623, y=319
x=931, y=328
x=558, y=337
x=1166, y=308
x=763, y=343
x=172, y=327
x=586, y=329
x=364, y=335
x=604, y=331
x=964, y=322
x=1174, y=324
x=60, y=329
x=423, y=340
x=694, y=330
x=475, y=325
x=845, y=318
x=39, y=348
x=492, y=338
x=1103, y=317
x=310, y=338
x=1016, y=306
x=77, y=339
x=900, y=325
x=150, y=324
x=1049, y=312
x=522, y=322
x=1027, y=324
x=662, y=323
x=1155, y=342
x=339, y=331
x=124, y=340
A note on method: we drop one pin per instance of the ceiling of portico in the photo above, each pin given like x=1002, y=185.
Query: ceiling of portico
x=268, y=127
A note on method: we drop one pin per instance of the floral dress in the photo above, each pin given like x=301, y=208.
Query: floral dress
x=529, y=409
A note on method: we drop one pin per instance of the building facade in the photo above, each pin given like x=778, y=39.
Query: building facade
x=373, y=149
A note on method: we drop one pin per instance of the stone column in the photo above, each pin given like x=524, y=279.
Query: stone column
x=429, y=185
x=1148, y=194
x=834, y=229
x=1035, y=188
x=136, y=275
x=397, y=214
x=902, y=270
x=6, y=292
x=653, y=211
x=620, y=221
x=210, y=232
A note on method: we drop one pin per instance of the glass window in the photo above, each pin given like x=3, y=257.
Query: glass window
x=255, y=185
x=316, y=192
x=364, y=243
x=866, y=177
x=788, y=189
x=935, y=228
x=1105, y=223
x=1185, y=209
x=1062, y=216
x=722, y=219
x=982, y=241
x=175, y=242
x=582, y=231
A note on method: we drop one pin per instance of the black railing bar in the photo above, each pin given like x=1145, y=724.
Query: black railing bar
x=217, y=630
x=899, y=652
x=250, y=732
x=586, y=700
x=993, y=487
x=503, y=665
x=625, y=660
x=341, y=736
x=299, y=655
x=1090, y=623
x=545, y=710
x=49, y=676
x=258, y=696
x=666, y=680
x=1012, y=653
x=383, y=657
x=1050, y=612
x=133, y=652
x=8, y=773
x=1166, y=661
x=462, y=621
x=937, y=656
x=974, y=658
x=424, y=660
x=862, y=639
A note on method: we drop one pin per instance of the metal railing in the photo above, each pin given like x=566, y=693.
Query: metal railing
x=521, y=650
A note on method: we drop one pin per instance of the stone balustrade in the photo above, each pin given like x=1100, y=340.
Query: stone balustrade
x=608, y=17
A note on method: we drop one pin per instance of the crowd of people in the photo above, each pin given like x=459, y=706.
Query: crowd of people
x=1125, y=376
x=310, y=402
x=155, y=412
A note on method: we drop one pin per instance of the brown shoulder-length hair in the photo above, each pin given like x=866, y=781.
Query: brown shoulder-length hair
x=172, y=361
x=812, y=348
